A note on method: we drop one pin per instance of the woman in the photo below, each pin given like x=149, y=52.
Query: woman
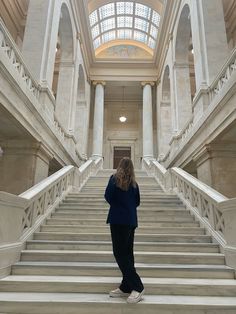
x=122, y=193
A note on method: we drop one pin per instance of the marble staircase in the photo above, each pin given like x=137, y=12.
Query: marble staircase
x=68, y=266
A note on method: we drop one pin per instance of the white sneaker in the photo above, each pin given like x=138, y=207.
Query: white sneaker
x=135, y=296
x=117, y=293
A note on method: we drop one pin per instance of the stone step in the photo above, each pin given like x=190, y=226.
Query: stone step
x=101, y=222
x=102, y=186
x=143, y=202
x=176, y=238
x=140, y=230
x=106, y=245
x=107, y=256
x=159, y=212
x=103, y=215
x=101, y=189
x=99, y=196
x=111, y=269
x=58, y=303
x=95, y=284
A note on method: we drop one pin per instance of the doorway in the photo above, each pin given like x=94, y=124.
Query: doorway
x=119, y=153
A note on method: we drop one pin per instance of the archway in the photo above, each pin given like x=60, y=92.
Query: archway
x=64, y=69
x=164, y=117
x=81, y=117
x=184, y=72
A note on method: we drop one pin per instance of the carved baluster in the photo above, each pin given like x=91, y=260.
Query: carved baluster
x=2, y=40
x=212, y=217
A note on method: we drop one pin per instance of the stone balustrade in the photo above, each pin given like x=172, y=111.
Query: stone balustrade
x=11, y=51
x=222, y=80
x=215, y=212
x=11, y=58
x=224, y=75
x=22, y=215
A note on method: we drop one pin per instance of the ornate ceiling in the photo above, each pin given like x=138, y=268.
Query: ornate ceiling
x=121, y=31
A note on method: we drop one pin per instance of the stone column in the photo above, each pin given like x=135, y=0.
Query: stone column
x=147, y=120
x=22, y=165
x=216, y=166
x=40, y=39
x=39, y=45
x=209, y=43
x=65, y=93
x=183, y=101
x=98, y=119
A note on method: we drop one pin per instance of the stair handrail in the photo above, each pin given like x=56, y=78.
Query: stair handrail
x=45, y=194
x=90, y=167
x=202, y=199
x=216, y=212
x=21, y=215
x=154, y=168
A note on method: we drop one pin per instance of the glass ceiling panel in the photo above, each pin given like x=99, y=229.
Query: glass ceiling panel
x=143, y=11
x=93, y=18
x=141, y=24
x=124, y=33
x=107, y=24
x=124, y=20
x=95, y=31
x=107, y=10
x=124, y=7
x=153, y=31
x=108, y=36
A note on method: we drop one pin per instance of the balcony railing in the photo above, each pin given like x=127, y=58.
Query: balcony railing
x=222, y=80
x=12, y=59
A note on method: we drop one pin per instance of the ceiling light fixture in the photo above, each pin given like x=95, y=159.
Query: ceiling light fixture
x=123, y=118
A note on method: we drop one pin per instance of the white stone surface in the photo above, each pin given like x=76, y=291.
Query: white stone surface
x=98, y=121
x=147, y=121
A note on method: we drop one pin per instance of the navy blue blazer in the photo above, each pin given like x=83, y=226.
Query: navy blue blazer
x=123, y=204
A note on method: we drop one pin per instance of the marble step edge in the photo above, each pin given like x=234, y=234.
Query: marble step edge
x=101, y=222
x=182, y=228
x=57, y=303
x=144, y=235
x=113, y=265
x=89, y=245
x=141, y=209
x=101, y=284
x=136, y=243
x=111, y=279
x=140, y=253
x=111, y=269
x=97, y=220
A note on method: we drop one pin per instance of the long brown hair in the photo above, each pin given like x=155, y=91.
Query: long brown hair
x=125, y=174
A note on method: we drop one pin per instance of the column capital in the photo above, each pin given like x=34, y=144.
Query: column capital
x=103, y=83
x=144, y=83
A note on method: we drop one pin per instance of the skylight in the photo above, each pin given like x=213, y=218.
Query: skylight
x=124, y=20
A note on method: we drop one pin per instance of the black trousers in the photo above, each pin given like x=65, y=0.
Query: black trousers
x=122, y=243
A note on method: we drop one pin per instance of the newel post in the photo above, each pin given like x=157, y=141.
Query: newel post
x=228, y=208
